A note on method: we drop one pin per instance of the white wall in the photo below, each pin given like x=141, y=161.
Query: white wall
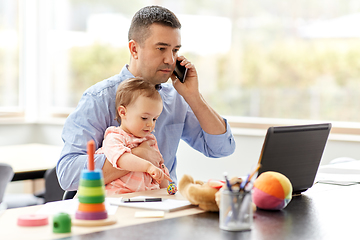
x=23, y=133
x=246, y=157
x=248, y=147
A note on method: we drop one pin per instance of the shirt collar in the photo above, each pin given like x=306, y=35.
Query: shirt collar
x=158, y=87
x=126, y=74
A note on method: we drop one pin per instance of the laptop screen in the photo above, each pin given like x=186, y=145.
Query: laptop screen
x=296, y=152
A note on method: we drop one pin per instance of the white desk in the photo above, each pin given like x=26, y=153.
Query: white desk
x=125, y=217
x=30, y=161
x=323, y=212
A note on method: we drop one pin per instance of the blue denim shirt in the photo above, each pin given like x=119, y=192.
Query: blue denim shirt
x=96, y=112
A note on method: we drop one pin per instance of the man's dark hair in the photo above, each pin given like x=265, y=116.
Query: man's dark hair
x=145, y=17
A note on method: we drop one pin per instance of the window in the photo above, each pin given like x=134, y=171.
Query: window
x=86, y=42
x=260, y=59
x=9, y=56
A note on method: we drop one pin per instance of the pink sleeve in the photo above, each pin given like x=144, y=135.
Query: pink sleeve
x=114, y=146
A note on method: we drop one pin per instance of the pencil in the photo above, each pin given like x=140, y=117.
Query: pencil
x=227, y=182
x=249, y=179
x=255, y=171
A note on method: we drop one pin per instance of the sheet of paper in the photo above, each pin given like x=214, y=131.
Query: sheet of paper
x=149, y=214
x=338, y=178
x=167, y=205
x=352, y=167
x=70, y=207
x=345, y=173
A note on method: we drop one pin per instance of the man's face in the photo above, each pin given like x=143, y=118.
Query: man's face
x=157, y=55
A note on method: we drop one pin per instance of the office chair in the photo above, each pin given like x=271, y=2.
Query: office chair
x=53, y=191
x=69, y=194
x=13, y=200
x=6, y=174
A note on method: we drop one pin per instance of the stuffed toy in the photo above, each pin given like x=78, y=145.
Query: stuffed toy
x=200, y=193
x=203, y=194
x=272, y=191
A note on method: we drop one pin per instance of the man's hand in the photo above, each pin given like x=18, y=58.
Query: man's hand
x=190, y=87
x=146, y=151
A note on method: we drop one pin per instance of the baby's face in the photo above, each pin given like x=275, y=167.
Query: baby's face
x=141, y=116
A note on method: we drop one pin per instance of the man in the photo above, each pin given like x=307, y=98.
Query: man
x=154, y=42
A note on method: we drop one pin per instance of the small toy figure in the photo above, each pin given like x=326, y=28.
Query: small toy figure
x=61, y=223
x=172, y=189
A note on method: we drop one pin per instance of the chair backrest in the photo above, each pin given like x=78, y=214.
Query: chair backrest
x=6, y=174
x=69, y=195
x=53, y=191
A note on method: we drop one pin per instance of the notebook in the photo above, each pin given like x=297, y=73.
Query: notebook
x=167, y=205
x=296, y=152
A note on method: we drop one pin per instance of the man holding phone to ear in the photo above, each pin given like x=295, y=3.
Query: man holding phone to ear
x=154, y=42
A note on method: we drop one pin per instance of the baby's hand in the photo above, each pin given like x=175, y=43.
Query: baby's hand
x=157, y=174
x=165, y=169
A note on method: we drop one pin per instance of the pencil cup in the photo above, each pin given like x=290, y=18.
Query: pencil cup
x=236, y=213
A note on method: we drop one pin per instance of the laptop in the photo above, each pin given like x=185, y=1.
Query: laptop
x=296, y=152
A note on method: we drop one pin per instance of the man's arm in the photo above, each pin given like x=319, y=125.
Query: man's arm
x=88, y=122
x=210, y=121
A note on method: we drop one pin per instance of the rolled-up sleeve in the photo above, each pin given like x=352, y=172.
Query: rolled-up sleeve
x=214, y=146
x=221, y=145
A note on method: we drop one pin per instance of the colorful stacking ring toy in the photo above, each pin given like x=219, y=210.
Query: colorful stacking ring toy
x=91, y=192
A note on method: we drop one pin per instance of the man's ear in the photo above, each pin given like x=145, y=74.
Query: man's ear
x=122, y=111
x=133, y=47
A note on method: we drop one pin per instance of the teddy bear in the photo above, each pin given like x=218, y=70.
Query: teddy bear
x=206, y=195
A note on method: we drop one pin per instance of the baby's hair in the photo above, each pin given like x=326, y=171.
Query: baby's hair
x=130, y=89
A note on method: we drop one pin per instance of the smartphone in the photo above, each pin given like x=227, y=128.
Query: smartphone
x=180, y=71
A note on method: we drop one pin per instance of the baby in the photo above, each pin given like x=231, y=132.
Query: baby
x=138, y=105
